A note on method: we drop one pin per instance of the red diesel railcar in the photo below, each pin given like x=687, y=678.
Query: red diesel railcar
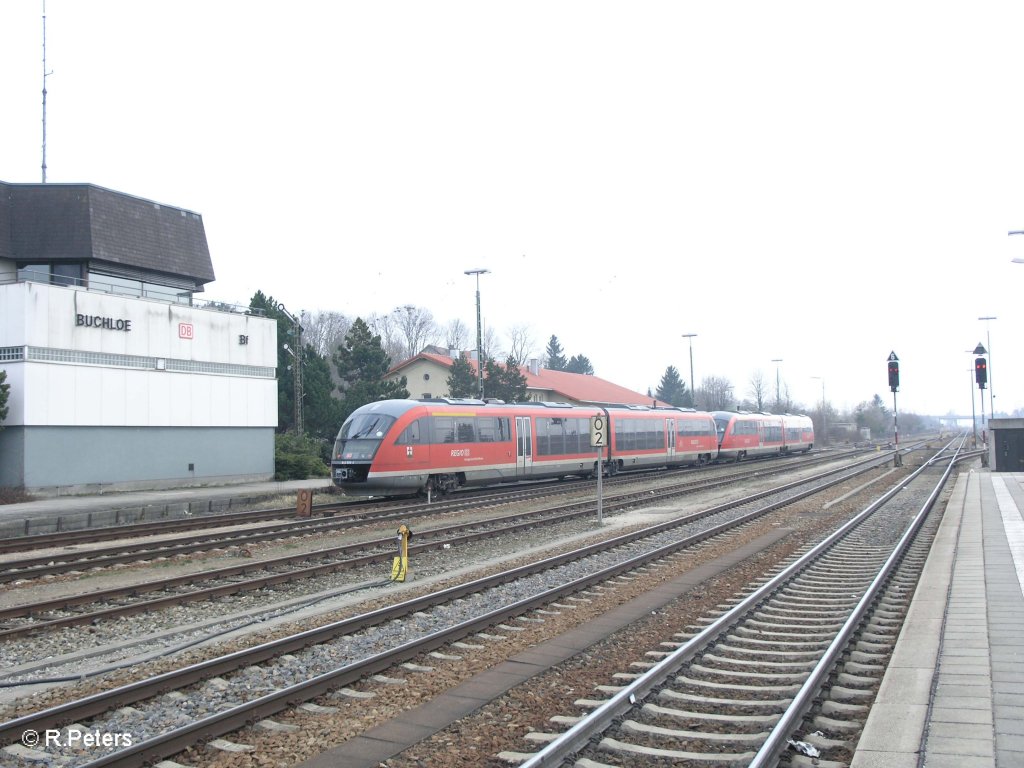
x=402, y=447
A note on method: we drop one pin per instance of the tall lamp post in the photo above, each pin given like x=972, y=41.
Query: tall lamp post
x=479, y=334
x=297, y=355
x=824, y=413
x=693, y=395
x=991, y=392
x=778, y=389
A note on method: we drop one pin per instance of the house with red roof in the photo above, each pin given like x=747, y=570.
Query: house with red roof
x=427, y=375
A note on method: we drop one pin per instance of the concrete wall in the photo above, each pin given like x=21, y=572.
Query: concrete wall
x=116, y=391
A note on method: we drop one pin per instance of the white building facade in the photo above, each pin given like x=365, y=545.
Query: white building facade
x=117, y=380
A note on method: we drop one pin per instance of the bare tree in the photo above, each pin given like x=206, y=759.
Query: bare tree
x=390, y=338
x=492, y=349
x=759, y=389
x=416, y=328
x=522, y=343
x=456, y=335
x=325, y=330
x=715, y=394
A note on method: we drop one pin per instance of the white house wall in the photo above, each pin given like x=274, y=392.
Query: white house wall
x=107, y=393
x=120, y=392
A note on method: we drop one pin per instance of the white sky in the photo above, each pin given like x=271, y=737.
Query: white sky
x=821, y=182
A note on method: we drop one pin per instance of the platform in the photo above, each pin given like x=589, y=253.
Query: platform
x=74, y=512
x=953, y=694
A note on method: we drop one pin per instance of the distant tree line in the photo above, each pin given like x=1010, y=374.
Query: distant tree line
x=345, y=362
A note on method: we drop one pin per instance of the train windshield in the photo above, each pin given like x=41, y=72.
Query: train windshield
x=361, y=435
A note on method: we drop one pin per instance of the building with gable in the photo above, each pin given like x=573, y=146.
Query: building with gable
x=119, y=377
x=427, y=374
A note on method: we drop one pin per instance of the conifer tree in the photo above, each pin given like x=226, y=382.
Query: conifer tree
x=362, y=364
x=672, y=389
x=462, y=379
x=553, y=352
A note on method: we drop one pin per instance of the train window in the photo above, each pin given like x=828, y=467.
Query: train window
x=444, y=429
x=556, y=437
x=465, y=428
x=574, y=431
x=540, y=428
x=491, y=429
x=560, y=436
x=366, y=426
x=625, y=434
x=412, y=435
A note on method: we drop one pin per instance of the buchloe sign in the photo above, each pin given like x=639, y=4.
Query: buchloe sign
x=108, y=323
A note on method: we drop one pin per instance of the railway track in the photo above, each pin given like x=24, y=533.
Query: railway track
x=394, y=634
x=793, y=665
x=89, y=608
x=142, y=541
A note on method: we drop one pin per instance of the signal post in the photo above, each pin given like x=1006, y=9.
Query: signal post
x=981, y=377
x=894, y=385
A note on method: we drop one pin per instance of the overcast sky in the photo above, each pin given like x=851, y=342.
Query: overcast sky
x=817, y=182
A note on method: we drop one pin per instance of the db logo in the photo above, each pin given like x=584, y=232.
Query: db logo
x=185, y=330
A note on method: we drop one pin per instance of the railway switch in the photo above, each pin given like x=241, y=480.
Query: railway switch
x=400, y=565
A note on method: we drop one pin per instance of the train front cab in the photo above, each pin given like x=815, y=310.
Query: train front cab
x=366, y=443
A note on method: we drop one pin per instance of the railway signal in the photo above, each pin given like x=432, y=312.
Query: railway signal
x=981, y=372
x=894, y=385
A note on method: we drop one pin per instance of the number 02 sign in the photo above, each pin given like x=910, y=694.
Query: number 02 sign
x=598, y=431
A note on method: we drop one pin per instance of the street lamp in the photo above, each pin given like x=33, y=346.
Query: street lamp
x=1016, y=259
x=479, y=334
x=824, y=413
x=778, y=391
x=991, y=394
x=693, y=395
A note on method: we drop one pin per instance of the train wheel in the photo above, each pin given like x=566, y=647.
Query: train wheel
x=442, y=485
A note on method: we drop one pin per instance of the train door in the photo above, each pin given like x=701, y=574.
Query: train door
x=670, y=428
x=524, y=446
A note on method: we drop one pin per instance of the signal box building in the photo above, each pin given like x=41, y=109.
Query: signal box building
x=119, y=378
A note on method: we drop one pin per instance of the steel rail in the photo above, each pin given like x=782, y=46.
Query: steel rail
x=571, y=741
x=140, y=690
x=52, y=565
x=483, y=529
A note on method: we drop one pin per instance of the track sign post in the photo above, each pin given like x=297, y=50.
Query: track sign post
x=894, y=385
x=598, y=440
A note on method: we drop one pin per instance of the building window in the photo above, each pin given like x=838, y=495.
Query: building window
x=55, y=272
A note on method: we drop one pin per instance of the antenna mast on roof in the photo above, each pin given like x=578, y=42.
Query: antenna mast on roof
x=45, y=75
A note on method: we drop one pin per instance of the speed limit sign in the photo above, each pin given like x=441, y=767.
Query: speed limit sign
x=598, y=431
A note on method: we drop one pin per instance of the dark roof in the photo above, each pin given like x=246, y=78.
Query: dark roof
x=65, y=222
